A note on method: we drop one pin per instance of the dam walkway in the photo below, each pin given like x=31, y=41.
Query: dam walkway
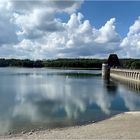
x=125, y=74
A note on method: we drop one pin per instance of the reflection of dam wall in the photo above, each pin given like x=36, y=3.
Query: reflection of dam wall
x=131, y=85
x=130, y=78
x=125, y=74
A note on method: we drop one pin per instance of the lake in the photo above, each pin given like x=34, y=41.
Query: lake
x=37, y=99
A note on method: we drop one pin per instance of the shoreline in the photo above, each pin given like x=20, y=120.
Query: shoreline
x=121, y=126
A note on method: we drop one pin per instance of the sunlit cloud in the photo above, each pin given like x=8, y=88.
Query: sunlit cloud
x=36, y=30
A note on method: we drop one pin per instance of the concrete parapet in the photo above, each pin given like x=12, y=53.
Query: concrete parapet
x=126, y=74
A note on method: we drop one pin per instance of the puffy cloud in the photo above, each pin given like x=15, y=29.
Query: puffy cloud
x=8, y=34
x=42, y=14
x=107, y=33
x=42, y=34
x=7, y=28
x=135, y=28
x=54, y=5
x=131, y=43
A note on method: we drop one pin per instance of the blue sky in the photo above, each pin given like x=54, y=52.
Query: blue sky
x=125, y=12
x=52, y=29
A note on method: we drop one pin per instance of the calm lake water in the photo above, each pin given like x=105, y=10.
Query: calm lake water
x=48, y=98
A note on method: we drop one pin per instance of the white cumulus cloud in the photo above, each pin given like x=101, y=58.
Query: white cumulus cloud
x=36, y=31
x=107, y=32
x=131, y=43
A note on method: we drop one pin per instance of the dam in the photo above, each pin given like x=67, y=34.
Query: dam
x=113, y=70
x=125, y=74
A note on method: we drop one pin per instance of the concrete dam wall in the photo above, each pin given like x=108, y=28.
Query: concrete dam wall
x=125, y=74
x=120, y=74
x=111, y=69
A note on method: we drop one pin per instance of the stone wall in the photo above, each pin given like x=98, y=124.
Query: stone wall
x=125, y=74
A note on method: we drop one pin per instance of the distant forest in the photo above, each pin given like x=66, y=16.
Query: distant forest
x=67, y=63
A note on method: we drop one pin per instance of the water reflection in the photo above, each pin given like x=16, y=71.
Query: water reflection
x=131, y=85
x=131, y=97
x=40, y=100
x=110, y=86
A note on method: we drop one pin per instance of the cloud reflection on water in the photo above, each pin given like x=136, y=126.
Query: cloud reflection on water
x=51, y=99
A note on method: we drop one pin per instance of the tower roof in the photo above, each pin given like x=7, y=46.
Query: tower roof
x=113, y=60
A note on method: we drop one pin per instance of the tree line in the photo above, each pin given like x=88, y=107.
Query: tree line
x=64, y=63
x=130, y=63
x=67, y=63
